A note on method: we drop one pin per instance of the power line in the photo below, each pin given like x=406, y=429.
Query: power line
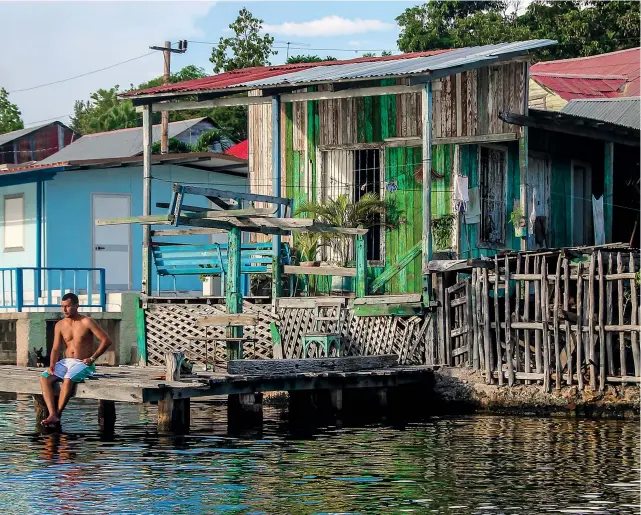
x=48, y=119
x=81, y=75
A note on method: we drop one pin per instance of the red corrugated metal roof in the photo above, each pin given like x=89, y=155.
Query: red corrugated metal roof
x=229, y=79
x=241, y=150
x=589, y=77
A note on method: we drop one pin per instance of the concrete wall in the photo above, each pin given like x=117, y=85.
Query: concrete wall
x=34, y=330
x=68, y=212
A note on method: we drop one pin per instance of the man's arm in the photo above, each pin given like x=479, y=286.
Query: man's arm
x=56, y=349
x=101, y=335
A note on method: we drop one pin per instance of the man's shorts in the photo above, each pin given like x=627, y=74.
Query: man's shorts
x=71, y=368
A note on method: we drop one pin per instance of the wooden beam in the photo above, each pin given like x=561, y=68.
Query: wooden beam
x=457, y=140
x=320, y=270
x=218, y=202
x=187, y=232
x=426, y=247
x=237, y=213
x=143, y=220
x=377, y=310
x=209, y=104
x=147, y=141
x=350, y=93
x=195, y=209
x=289, y=366
x=228, y=320
x=197, y=190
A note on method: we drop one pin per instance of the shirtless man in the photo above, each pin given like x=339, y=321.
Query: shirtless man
x=78, y=332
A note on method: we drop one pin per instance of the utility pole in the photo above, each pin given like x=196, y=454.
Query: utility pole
x=167, y=51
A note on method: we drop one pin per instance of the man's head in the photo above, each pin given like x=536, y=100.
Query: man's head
x=70, y=305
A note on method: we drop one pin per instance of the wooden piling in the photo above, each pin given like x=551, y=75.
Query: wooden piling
x=555, y=314
x=497, y=323
x=508, y=331
x=517, y=317
x=526, y=318
x=635, y=318
x=602, y=349
x=106, y=416
x=538, y=285
x=487, y=340
x=622, y=352
x=173, y=414
x=566, y=325
x=473, y=327
x=592, y=343
x=608, y=312
x=40, y=409
x=579, y=327
x=545, y=312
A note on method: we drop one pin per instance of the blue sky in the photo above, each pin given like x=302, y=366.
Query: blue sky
x=50, y=41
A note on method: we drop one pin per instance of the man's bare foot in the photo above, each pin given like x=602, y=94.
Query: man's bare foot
x=51, y=420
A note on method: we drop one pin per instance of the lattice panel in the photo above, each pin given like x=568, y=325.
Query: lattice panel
x=172, y=327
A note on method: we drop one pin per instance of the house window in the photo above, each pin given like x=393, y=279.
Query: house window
x=367, y=179
x=492, y=181
x=354, y=173
x=13, y=225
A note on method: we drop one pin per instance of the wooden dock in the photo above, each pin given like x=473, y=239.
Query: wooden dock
x=150, y=385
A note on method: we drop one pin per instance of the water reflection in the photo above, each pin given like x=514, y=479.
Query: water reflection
x=472, y=464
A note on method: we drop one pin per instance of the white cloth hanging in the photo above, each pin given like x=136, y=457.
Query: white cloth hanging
x=532, y=219
x=473, y=213
x=461, y=194
x=599, y=224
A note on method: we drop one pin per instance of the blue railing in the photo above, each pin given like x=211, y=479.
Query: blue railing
x=22, y=287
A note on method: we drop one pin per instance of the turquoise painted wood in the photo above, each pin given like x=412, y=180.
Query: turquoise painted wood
x=324, y=340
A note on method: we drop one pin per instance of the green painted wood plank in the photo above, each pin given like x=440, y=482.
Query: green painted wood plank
x=392, y=270
x=360, y=119
x=141, y=335
x=311, y=143
x=403, y=204
x=376, y=310
x=369, y=118
x=289, y=149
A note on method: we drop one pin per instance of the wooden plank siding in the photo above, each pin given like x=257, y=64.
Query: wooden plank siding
x=466, y=104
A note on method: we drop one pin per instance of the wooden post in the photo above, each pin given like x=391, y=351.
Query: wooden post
x=164, y=120
x=487, y=340
x=635, y=318
x=173, y=414
x=566, y=308
x=277, y=287
x=147, y=139
x=508, y=331
x=141, y=335
x=472, y=330
x=448, y=314
x=361, y=266
x=276, y=192
x=556, y=324
x=608, y=311
x=622, y=353
x=579, y=326
x=497, y=322
x=40, y=409
x=545, y=313
x=608, y=189
x=106, y=416
x=426, y=109
x=517, y=317
x=538, y=286
x=523, y=170
x=233, y=293
x=526, y=318
x=591, y=306
x=601, y=323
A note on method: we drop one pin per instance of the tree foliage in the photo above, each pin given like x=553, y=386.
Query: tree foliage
x=582, y=27
x=293, y=59
x=246, y=48
x=10, y=115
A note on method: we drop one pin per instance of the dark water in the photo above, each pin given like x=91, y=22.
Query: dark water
x=471, y=464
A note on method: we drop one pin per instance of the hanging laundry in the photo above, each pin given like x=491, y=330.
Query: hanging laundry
x=473, y=213
x=599, y=224
x=532, y=218
x=460, y=195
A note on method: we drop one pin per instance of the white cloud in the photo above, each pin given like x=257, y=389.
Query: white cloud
x=328, y=26
x=50, y=41
x=354, y=43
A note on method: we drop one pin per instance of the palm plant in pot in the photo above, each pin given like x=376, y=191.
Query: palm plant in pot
x=308, y=244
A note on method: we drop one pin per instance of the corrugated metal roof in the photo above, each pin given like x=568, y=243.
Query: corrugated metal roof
x=119, y=143
x=620, y=111
x=236, y=77
x=361, y=68
x=625, y=63
x=10, y=136
x=413, y=66
x=569, y=87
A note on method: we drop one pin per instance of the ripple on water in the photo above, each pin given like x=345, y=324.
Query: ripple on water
x=472, y=464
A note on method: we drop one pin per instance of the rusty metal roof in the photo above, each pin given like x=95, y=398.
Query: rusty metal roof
x=354, y=69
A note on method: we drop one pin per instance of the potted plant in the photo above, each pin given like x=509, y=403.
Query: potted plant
x=308, y=244
x=517, y=219
x=442, y=227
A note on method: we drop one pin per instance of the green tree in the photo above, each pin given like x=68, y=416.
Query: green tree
x=10, y=115
x=308, y=59
x=369, y=54
x=246, y=48
x=386, y=53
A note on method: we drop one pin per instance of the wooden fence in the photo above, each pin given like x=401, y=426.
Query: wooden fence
x=548, y=317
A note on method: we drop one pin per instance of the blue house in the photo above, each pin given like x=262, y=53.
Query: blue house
x=48, y=211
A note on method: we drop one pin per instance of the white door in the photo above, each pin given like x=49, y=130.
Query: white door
x=538, y=198
x=111, y=243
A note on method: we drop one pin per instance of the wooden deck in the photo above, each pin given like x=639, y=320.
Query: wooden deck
x=147, y=384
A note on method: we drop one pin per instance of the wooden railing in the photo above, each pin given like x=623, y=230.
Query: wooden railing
x=547, y=318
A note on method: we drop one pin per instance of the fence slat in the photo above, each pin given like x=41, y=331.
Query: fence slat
x=497, y=319
x=602, y=349
x=635, y=307
x=555, y=314
x=592, y=343
x=487, y=340
x=526, y=318
x=566, y=325
x=579, y=324
x=508, y=330
x=538, y=286
x=545, y=312
x=622, y=353
x=608, y=312
x=517, y=309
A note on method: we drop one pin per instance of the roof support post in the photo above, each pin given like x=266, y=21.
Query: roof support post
x=426, y=105
x=608, y=189
x=146, y=198
x=523, y=172
x=233, y=293
x=276, y=186
x=38, y=278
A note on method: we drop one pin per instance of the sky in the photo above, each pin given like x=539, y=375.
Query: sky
x=44, y=42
